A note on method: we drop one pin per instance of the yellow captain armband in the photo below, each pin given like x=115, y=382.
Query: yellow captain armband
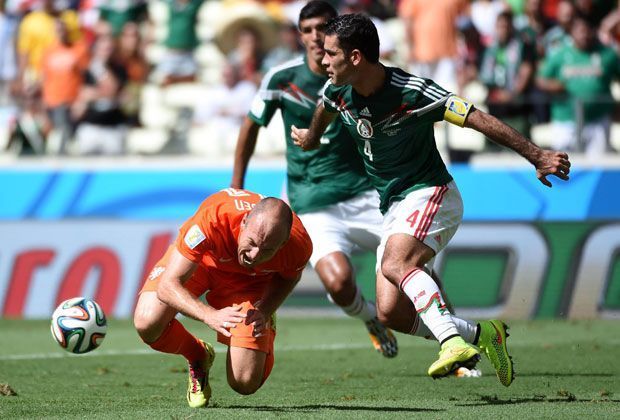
x=457, y=110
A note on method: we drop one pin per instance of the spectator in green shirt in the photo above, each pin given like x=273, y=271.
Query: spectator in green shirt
x=559, y=35
x=507, y=70
x=579, y=76
x=119, y=12
x=178, y=64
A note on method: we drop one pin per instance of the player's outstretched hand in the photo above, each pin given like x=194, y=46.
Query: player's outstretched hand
x=225, y=319
x=300, y=137
x=258, y=318
x=552, y=163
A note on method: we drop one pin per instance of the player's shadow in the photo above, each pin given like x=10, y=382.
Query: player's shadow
x=485, y=401
x=313, y=407
x=567, y=374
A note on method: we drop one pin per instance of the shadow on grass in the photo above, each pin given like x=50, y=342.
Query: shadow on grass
x=314, y=407
x=494, y=400
x=562, y=374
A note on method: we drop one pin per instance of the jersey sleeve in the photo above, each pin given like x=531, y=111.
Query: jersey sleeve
x=431, y=100
x=300, y=249
x=330, y=95
x=193, y=241
x=267, y=99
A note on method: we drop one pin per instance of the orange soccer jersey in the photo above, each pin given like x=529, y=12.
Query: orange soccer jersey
x=209, y=238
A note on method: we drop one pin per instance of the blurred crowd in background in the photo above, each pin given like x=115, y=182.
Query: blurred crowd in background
x=115, y=77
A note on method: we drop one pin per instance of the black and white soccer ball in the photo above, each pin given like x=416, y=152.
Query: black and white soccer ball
x=79, y=325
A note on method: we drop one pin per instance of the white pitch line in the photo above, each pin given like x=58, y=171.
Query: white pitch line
x=222, y=349
x=142, y=352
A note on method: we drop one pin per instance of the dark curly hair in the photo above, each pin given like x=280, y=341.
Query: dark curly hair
x=356, y=32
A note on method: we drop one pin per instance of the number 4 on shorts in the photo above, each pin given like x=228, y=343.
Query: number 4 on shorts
x=413, y=217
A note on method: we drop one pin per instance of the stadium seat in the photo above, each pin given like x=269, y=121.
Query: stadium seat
x=158, y=12
x=146, y=140
x=271, y=141
x=475, y=92
x=209, y=13
x=210, y=76
x=153, y=111
x=7, y=114
x=184, y=95
x=615, y=90
x=396, y=28
x=614, y=137
x=462, y=139
x=154, y=116
x=208, y=55
x=207, y=140
x=154, y=53
x=542, y=134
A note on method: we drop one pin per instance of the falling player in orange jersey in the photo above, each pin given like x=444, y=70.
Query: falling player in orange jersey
x=248, y=252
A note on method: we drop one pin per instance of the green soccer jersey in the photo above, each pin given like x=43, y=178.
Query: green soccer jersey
x=587, y=76
x=182, y=19
x=318, y=178
x=393, y=129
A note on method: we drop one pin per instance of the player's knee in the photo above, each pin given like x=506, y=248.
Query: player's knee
x=336, y=279
x=245, y=385
x=148, y=329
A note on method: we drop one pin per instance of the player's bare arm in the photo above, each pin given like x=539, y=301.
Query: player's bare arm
x=246, y=142
x=274, y=295
x=546, y=162
x=171, y=292
x=310, y=138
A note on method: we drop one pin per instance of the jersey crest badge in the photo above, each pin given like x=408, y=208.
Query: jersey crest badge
x=194, y=237
x=364, y=128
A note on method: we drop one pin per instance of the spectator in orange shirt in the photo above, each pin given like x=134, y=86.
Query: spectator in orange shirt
x=431, y=30
x=36, y=34
x=62, y=67
x=248, y=252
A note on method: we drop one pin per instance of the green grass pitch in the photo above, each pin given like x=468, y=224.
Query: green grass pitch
x=325, y=368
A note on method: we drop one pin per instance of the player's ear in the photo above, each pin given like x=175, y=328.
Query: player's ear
x=244, y=221
x=356, y=57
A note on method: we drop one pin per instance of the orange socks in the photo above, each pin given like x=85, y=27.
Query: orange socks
x=177, y=340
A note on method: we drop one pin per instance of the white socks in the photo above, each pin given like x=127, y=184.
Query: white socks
x=360, y=308
x=428, y=302
x=466, y=329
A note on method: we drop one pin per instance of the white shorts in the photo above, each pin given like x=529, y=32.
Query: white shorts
x=348, y=226
x=431, y=215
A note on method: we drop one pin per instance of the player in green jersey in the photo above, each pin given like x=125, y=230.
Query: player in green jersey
x=391, y=113
x=328, y=188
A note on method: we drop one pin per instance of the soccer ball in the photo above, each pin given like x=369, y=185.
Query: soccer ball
x=79, y=325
